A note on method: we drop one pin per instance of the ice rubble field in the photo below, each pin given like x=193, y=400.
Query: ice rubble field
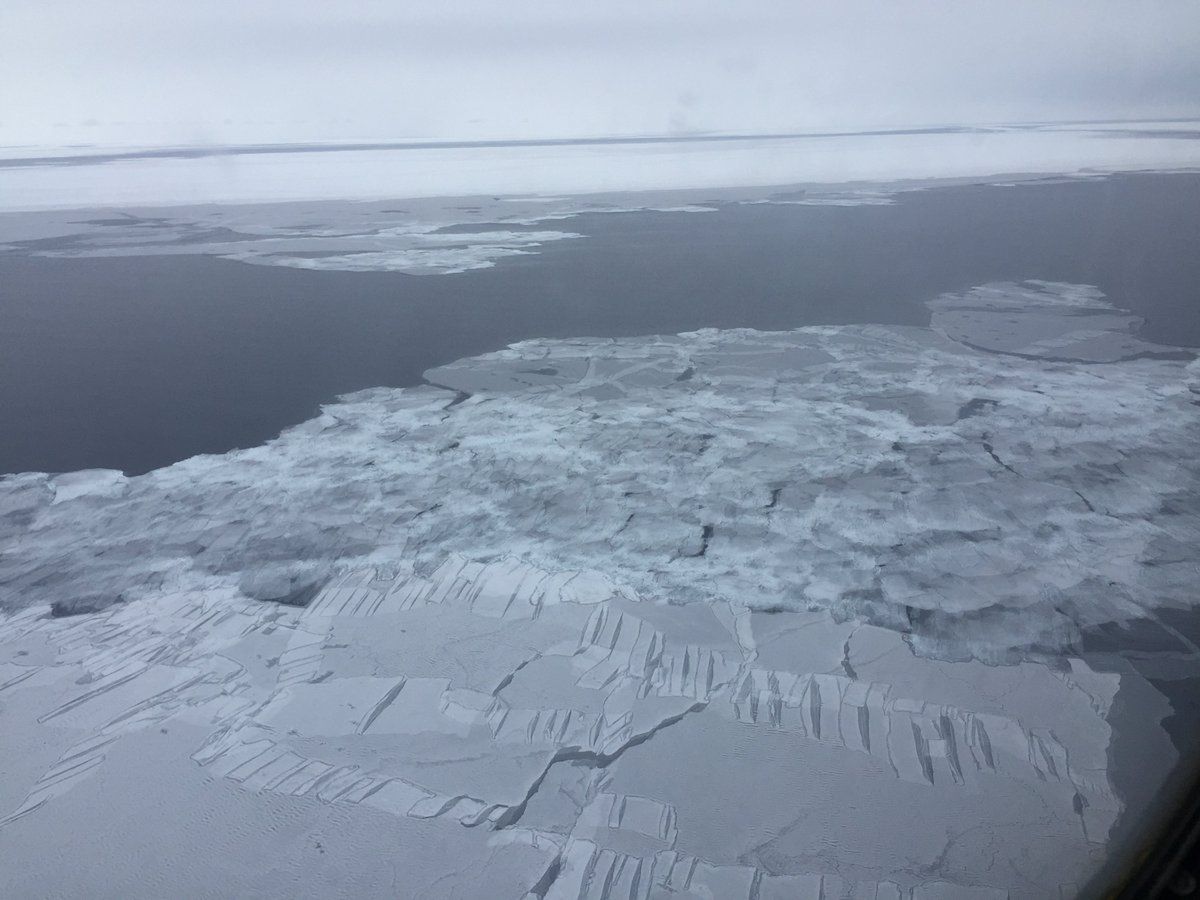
x=722, y=614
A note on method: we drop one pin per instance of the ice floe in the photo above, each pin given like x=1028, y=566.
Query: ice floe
x=720, y=614
x=425, y=237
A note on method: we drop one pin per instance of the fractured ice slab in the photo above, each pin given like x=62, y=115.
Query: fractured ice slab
x=463, y=751
x=718, y=614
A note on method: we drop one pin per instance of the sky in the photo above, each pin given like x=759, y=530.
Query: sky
x=182, y=72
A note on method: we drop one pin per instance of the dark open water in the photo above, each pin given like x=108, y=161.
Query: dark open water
x=135, y=363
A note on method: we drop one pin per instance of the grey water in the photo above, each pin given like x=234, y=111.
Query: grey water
x=137, y=362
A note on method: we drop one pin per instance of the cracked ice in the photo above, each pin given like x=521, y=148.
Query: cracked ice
x=648, y=614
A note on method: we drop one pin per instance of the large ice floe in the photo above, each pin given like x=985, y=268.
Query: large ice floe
x=727, y=614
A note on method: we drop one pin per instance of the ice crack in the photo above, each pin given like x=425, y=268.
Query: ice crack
x=592, y=759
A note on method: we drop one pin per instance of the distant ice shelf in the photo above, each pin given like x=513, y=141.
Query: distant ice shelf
x=624, y=618
x=172, y=176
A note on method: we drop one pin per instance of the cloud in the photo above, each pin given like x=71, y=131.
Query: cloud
x=259, y=70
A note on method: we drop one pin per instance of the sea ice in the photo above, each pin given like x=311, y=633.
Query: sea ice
x=721, y=614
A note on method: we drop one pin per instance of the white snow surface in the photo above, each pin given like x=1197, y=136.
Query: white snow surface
x=618, y=618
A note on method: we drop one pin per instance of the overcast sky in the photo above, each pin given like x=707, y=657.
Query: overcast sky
x=231, y=71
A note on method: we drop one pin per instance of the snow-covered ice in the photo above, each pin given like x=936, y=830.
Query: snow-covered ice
x=720, y=614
